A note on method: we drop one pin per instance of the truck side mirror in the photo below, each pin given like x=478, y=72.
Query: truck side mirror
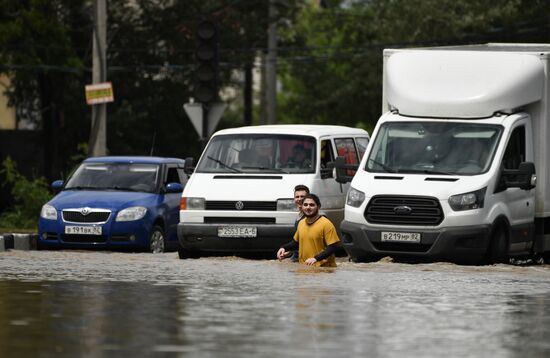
x=342, y=168
x=524, y=177
x=188, y=167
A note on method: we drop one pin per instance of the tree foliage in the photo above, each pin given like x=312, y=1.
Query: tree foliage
x=336, y=76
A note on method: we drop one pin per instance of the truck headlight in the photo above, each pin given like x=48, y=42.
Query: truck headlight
x=286, y=205
x=48, y=212
x=192, y=203
x=131, y=214
x=355, y=198
x=468, y=201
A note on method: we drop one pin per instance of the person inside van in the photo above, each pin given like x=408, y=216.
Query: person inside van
x=299, y=158
x=316, y=238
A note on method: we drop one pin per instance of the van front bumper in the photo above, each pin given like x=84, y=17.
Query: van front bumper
x=199, y=237
x=456, y=244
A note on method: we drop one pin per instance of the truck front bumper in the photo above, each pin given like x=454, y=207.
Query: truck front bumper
x=199, y=237
x=456, y=244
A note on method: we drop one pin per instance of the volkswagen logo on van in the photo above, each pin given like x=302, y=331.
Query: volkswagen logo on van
x=402, y=210
x=239, y=205
x=85, y=211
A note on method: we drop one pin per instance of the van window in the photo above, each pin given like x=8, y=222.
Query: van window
x=327, y=153
x=361, y=143
x=254, y=153
x=345, y=147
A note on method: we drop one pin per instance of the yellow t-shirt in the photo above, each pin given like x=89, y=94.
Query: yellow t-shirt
x=314, y=238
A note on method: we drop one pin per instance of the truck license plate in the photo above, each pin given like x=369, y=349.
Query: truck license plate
x=400, y=236
x=83, y=230
x=237, y=231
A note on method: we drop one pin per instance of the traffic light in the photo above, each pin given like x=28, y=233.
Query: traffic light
x=206, y=53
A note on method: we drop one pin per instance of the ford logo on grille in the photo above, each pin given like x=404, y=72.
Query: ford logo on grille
x=239, y=205
x=402, y=210
x=85, y=211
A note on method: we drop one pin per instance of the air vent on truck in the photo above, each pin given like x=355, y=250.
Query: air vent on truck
x=404, y=210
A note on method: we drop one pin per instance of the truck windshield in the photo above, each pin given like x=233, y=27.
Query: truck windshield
x=447, y=148
x=259, y=153
x=114, y=176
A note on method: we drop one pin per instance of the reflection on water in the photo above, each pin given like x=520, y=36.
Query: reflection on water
x=118, y=304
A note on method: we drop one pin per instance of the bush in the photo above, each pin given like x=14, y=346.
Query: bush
x=28, y=196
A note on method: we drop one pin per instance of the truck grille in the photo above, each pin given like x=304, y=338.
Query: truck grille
x=94, y=216
x=404, y=210
x=241, y=205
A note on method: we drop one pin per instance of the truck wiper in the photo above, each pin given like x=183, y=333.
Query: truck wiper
x=383, y=166
x=428, y=171
x=223, y=164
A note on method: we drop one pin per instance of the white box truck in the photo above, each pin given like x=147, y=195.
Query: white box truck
x=449, y=173
x=239, y=198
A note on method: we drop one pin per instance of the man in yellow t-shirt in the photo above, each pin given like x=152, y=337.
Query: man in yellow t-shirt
x=316, y=238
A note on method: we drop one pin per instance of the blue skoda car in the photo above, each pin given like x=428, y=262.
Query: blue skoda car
x=116, y=203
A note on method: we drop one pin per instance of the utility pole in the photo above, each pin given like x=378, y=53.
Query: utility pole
x=270, y=65
x=98, y=133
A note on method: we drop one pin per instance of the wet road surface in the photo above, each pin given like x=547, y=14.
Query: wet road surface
x=104, y=304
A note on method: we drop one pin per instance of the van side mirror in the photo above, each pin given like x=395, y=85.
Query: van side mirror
x=524, y=177
x=188, y=167
x=342, y=170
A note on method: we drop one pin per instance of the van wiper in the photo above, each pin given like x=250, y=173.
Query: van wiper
x=223, y=164
x=383, y=166
x=428, y=171
x=278, y=170
x=116, y=187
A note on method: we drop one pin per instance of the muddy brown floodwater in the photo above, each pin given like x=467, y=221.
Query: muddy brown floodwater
x=105, y=304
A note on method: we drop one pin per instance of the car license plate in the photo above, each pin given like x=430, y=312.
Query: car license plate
x=83, y=230
x=237, y=231
x=400, y=237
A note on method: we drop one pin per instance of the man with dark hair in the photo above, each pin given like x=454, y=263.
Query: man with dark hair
x=299, y=158
x=300, y=192
x=316, y=238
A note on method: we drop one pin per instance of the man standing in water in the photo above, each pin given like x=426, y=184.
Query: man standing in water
x=316, y=238
x=300, y=192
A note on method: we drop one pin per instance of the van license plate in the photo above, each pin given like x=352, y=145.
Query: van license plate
x=400, y=236
x=237, y=231
x=83, y=230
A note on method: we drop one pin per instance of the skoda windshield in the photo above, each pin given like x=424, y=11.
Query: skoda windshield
x=447, y=148
x=114, y=176
x=259, y=153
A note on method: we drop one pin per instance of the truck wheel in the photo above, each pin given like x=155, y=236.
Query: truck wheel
x=156, y=240
x=186, y=254
x=498, y=247
x=364, y=258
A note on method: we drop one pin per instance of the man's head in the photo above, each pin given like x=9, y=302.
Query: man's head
x=300, y=192
x=311, y=205
x=298, y=153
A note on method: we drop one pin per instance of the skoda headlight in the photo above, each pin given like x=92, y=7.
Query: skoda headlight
x=48, y=212
x=286, y=205
x=468, y=201
x=355, y=198
x=192, y=203
x=130, y=214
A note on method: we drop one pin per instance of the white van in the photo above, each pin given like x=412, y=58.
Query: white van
x=239, y=198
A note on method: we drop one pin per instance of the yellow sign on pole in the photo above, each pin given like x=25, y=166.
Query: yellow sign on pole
x=99, y=93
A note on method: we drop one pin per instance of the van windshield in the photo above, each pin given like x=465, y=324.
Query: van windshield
x=447, y=148
x=259, y=153
x=114, y=176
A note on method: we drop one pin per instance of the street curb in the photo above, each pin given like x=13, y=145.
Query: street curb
x=23, y=242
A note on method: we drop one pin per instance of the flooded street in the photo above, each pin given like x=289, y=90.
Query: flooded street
x=103, y=304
